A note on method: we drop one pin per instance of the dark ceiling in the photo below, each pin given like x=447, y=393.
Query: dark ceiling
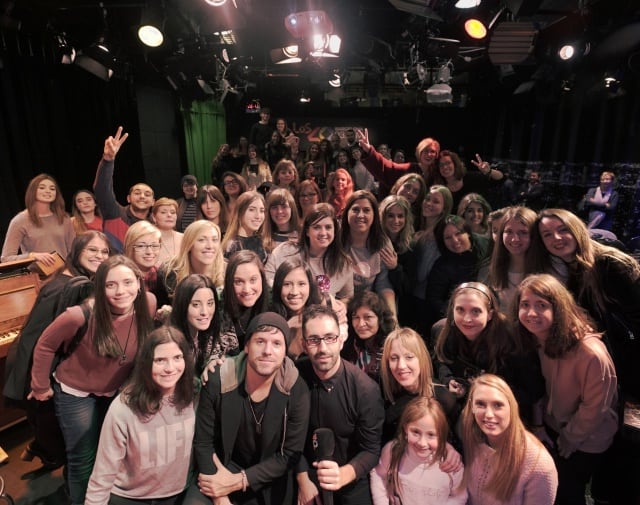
x=381, y=40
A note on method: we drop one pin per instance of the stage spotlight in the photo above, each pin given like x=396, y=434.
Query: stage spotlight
x=285, y=55
x=573, y=50
x=467, y=4
x=66, y=53
x=97, y=60
x=304, y=97
x=475, y=28
x=305, y=24
x=567, y=52
x=151, y=24
x=216, y=3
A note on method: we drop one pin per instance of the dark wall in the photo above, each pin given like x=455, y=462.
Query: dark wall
x=54, y=118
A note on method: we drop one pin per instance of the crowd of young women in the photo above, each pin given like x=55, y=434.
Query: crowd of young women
x=525, y=325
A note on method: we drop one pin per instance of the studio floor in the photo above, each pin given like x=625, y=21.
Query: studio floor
x=25, y=481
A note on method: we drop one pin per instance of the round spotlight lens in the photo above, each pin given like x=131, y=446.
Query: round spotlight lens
x=150, y=36
x=475, y=29
x=566, y=52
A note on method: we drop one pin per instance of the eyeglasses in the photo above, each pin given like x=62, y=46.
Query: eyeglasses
x=308, y=195
x=143, y=247
x=327, y=339
x=231, y=183
x=95, y=251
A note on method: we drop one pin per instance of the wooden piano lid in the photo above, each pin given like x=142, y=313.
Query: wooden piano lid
x=18, y=291
x=10, y=266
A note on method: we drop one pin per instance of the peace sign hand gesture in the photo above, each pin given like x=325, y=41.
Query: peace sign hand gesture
x=362, y=136
x=112, y=145
x=483, y=166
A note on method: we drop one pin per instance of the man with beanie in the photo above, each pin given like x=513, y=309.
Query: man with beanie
x=252, y=421
x=187, y=206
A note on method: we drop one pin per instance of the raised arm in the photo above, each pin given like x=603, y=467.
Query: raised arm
x=103, y=184
x=384, y=170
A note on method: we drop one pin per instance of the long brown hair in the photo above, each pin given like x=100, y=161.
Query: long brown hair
x=587, y=252
x=142, y=394
x=79, y=223
x=105, y=341
x=57, y=206
x=415, y=410
x=334, y=259
x=242, y=204
x=377, y=238
x=571, y=323
x=278, y=196
x=500, y=258
x=211, y=192
x=496, y=337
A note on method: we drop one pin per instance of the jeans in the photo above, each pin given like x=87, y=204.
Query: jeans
x=80, y=421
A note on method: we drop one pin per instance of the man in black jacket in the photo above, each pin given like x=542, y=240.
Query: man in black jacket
x=346, y=401
x=251, y=422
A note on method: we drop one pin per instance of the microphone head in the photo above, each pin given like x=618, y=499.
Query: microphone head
x=324, y=443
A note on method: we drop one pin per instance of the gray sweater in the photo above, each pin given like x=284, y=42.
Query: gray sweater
x=142, y=459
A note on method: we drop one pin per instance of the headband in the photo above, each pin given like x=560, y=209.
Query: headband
x=476, y=286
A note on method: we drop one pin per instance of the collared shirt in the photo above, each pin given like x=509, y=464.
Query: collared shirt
x=350, y=404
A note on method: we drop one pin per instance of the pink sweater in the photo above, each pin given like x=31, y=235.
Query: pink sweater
x=27, y=237
x=84, y=370
x=421, y=484
x=581, y=396
x=538, y=477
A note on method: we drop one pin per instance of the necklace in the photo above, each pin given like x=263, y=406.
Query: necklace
x=171, y=252
x=123, y=358
x=255, y=418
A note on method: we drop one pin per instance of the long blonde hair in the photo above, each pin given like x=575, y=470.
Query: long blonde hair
x=410, y=340
x=510, y=453
x=403, y=243
x=181, y=264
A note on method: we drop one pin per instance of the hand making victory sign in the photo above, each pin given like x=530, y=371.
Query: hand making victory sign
x=112, y=144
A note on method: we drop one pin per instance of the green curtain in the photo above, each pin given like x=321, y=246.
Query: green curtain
x=204, y=131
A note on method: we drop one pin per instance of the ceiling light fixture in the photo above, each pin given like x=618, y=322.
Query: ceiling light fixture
x=66, y=53
x=285, y=55
x=151, y=25
x=335, y=81
x=566, y=52
x=303, y=25
x=441, y=91
x=326, y=46
x=573, y=50
x=97, y=60
x=467, y=4
x=304, y=97
x=216, y=3
x=226, y=37
x=475, y=29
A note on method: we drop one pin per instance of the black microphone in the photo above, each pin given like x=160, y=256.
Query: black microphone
x=324, y=443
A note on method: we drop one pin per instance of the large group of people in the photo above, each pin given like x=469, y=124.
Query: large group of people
x=318, y=327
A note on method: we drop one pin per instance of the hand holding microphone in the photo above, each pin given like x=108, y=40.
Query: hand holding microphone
x=328, y=471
